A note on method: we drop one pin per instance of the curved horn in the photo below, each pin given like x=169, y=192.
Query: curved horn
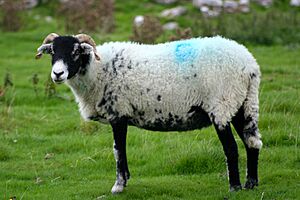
x=47, y=40
x=50, y=38
x=84, y=38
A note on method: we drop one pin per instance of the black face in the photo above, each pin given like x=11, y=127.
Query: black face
x=67, y=49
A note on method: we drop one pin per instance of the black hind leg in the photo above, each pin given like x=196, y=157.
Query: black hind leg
x=231, y=152
x=248, y=131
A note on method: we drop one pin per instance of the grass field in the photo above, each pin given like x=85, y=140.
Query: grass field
x=185, y=165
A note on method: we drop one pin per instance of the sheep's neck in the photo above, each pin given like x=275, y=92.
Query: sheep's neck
x=79, y=86
x=82, y=85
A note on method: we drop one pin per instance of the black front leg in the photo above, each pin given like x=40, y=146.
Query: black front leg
x=119, y=127
x=231, y=152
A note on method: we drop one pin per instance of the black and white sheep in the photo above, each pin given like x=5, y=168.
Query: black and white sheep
x=176, y=86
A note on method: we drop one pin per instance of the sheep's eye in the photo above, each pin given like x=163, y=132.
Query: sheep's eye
x=75, y=53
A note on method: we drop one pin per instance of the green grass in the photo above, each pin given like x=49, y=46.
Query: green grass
x=185, y=165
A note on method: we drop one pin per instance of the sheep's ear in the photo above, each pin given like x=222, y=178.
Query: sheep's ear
x=44, y=48
x=87, y=49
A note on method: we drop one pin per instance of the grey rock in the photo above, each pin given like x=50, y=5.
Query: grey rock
x=244, y=2
x=166, y=1
x=28, y=4
x=295, y=3
x=207, y=12
x=231, y=6
x=48, y=19
x=138, y=20
x=264, y=3
x=173, y=12
x=213, y=3
x=170, y=26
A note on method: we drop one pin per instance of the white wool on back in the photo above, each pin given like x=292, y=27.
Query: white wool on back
x=215, y=74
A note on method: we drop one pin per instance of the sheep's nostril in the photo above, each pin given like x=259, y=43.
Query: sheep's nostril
x=58, y=74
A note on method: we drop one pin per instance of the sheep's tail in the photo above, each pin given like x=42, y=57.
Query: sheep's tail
x=251, y=112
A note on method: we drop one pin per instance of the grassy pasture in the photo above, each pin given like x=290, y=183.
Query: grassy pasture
x=185, y=165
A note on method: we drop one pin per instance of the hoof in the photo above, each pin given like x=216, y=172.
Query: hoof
x=251, y=183
x=235, y=188
x=117, y=188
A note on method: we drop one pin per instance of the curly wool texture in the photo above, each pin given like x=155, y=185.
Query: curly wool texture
x=153, y=83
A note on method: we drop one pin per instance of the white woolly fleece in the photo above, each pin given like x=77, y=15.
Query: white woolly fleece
x=214, y=73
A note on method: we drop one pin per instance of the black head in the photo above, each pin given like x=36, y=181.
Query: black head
x=70, y=55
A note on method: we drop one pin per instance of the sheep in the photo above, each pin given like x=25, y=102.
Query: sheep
x=175, y=86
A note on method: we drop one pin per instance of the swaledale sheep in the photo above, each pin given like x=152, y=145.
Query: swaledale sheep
x=175, y=86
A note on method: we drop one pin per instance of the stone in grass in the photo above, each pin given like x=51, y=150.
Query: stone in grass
x=244, y=6
x=231, y=6
x=38, y=180
x=212, y=3
x=49, y=156
x=173, y=12
x=244, y=2
x=207, y=12
x=48, y=19
x=170, y=26
x=138, y=20
x=295, y=3
x=101, y=197
x=28, y=4
x=265, y=3
x=165, y=1
x=244, y=9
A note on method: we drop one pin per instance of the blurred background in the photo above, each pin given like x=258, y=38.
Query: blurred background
x=48, y=152
x=264, y=22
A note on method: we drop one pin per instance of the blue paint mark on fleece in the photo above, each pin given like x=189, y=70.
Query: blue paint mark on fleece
x=185, y=52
